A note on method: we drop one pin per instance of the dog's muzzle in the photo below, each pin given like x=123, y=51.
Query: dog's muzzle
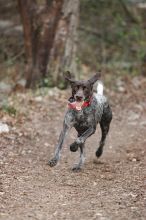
x=78, y=106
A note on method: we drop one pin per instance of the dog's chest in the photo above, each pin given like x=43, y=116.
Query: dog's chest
x=84, y=118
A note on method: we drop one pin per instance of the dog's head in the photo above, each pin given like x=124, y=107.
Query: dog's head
x=81, y=90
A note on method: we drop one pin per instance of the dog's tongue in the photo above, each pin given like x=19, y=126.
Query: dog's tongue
x=79, y=105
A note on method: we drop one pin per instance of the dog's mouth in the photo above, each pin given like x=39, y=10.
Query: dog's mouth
x=79, y=104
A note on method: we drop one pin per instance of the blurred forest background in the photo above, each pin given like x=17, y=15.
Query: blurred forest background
x=107, y=35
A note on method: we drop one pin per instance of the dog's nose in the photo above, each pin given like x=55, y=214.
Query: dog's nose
x=79, y=97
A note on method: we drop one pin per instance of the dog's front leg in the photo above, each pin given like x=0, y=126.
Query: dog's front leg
x=67, y=125
x=56, y=157
x=82, y=138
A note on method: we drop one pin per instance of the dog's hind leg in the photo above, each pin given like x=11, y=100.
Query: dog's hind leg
x=82, y=159
x=104, y=125
x=104, y=130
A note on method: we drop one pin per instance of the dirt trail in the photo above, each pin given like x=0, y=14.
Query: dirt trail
x=111, y=188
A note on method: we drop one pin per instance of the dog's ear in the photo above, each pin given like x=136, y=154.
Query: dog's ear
x=68, y=77
x=94, y=78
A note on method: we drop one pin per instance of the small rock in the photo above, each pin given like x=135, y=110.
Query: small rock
x=120, y=85
x=139, y=107
x=23, y=152
x=133, y=116
x=20, y=85
x=22, y=82
x=18, y=28
x=121, y=89
x=119, y=82
x=134, y=208
x=54, y=92
x=20, y=134
x=50, y=93
x=94, y=183
x=5, y=88
x=134, y=160
x=136, y=82
x=4, y=128
x=38, y=99
x=5, y=24
x=46, y=144
x=98, y=214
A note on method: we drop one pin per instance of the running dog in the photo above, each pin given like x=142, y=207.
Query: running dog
x=85, y=111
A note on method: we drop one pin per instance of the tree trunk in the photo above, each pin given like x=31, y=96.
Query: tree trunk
x=63, y=53
x=29, y=33
x=50, y=35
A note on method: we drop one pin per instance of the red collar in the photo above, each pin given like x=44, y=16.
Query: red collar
x=73, y=105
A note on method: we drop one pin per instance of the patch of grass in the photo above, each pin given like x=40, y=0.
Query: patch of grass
x=9, y=109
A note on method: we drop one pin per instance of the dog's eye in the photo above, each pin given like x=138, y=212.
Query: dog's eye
x=77, y=87
x=84, y=87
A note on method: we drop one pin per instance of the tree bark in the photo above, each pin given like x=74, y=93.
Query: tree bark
x=63, y=53
x=27, y=12
x=28, y=29
x=47, y=35
x=50, y=36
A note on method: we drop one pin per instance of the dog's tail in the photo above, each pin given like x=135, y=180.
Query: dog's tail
x=100, y=88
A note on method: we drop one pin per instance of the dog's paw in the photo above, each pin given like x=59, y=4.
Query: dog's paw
x=74, y=147
x=52, y=162
x=99, y=152
x=76, y=169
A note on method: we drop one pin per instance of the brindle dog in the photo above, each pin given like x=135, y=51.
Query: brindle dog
x=85, y=111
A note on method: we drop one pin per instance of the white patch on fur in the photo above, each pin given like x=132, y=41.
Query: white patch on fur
x=101, y=99
x=100, y=88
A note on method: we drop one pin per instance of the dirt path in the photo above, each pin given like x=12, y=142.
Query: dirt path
x=112, y=188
